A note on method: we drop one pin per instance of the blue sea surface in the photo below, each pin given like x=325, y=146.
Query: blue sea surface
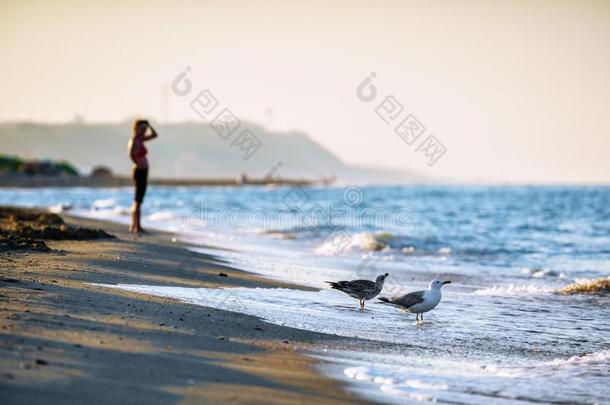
x=502, y=334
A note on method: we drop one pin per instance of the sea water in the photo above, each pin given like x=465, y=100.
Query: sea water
x=502, y=334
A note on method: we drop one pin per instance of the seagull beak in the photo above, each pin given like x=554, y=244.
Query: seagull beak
x=446, y=282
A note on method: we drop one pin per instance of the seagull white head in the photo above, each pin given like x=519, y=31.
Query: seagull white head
x=438, y=284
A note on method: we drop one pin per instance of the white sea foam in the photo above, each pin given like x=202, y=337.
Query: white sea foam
x=105, y=203
x=541, y=273
x=107, y=208
x=440, y=380
x=408, y=250
x=59, y=208
x=512, y=289
x=446, y=250
x=590, y=364
x=579, y=286
x=408, y=378
x=163, y=216
x=363, y=241
x=601, y=358
x=281, y=235
x=389, y=377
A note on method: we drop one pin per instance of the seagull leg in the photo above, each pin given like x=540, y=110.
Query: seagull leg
x=417, y=319
x=361, y=305
x=422, y=317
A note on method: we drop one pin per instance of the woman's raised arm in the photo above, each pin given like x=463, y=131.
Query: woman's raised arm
x=152, y=135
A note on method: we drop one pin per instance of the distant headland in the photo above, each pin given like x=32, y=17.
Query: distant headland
x=189, y=150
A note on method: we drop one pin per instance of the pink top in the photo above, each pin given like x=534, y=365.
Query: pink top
x=139, y=154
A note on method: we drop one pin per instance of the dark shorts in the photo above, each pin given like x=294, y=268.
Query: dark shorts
x=140, y=178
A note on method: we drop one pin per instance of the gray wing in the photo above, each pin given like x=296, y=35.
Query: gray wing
x=362, y=285
x=356, y=288
x=408, y=300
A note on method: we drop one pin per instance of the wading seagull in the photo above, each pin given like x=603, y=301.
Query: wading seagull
x=419, y=302
x=362, y=290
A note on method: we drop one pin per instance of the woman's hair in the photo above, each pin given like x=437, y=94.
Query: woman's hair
x=136, y=125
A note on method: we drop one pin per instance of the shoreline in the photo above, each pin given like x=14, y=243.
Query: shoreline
x=65, y=337
x=501, y=332
x=25, y=181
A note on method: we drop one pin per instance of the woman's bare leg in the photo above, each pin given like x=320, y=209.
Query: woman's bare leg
x=135, y=218
x=132, y=227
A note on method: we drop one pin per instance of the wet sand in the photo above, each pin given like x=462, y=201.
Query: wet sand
x=63, y=340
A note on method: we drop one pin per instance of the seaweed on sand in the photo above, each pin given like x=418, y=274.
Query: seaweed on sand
x=28, y=229
x=588, y=286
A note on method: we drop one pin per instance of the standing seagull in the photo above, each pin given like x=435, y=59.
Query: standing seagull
x=419, y=302
x=360, y=289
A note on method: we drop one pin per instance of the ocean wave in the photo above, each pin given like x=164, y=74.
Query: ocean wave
x=596, y=363
x=438, y=380
x=398, y=382
x=59, y=208
x=163, y=216
x=369, y=374
x=541, y=273
x=363, y=241
x=587, y=286
x=102, y=204
x=579, y=286
x=512, y=289
x=389, y=377
x=408, y=250
x=299, y=232
x=601, y=358
x=422, y=251
x=281, y=235
x=108, y=208
x=445, y=250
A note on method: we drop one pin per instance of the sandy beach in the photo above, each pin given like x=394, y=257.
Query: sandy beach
x=394, y=203
x=65, y=339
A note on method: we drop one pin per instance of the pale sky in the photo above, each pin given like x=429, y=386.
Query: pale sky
x=516, y=91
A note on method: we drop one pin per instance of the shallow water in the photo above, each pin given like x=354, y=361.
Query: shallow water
x=502, y=332
x=516, y=347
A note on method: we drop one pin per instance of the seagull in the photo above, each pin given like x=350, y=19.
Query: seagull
x=361, y=289
x=419, y=302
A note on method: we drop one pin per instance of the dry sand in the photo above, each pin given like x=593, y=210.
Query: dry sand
x=65, y=341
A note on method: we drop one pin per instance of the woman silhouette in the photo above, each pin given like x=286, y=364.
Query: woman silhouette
x=137, y=153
